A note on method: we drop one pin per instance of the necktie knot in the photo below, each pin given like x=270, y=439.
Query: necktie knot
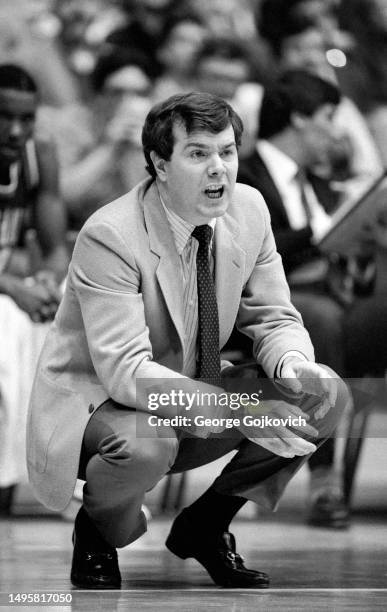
x=203, y=234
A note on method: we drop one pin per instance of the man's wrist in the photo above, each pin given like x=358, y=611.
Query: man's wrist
x=289, y=361
x=287, y=358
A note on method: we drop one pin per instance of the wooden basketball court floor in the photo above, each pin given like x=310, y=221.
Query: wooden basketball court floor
x=311, y=569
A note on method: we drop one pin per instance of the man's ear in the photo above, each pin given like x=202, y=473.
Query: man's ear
x=298, y=121
x=159, y=164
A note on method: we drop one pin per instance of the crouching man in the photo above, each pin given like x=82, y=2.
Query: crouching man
x=157, y=280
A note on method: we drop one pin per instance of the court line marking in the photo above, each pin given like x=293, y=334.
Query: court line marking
x=225, y=591
x=213, y=590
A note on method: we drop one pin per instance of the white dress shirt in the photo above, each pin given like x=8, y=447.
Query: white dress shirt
x=187, y=248
x=284, y=172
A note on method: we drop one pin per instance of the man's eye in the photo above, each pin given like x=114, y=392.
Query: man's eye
x=197, y=154
x=228, y=153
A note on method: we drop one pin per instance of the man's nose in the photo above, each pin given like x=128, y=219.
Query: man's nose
x=216, y=165
x=16, y=129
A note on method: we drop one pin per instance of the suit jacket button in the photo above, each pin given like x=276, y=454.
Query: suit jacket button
x=91, y=408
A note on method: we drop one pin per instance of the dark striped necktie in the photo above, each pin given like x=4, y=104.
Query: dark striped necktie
x=208, y=332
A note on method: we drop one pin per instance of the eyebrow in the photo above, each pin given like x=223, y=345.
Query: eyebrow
x=200, y=145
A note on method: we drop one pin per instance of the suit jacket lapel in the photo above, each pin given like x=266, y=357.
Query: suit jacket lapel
x=229, y=264
x=162, y=244
x=254, y=172
x=229, y=271
x=270, y=192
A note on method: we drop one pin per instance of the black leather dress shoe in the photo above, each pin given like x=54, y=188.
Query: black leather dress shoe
x=329, y=510
x=217, y=555
x=94, y=569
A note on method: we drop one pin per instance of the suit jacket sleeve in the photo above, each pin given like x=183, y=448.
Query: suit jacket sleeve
x=293, y=245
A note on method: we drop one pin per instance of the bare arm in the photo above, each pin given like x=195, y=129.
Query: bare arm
x=77, y=179
x=119, y=149
x=50, y=216
x=39, y=295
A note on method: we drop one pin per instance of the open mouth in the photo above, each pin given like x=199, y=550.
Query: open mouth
x=214, y=192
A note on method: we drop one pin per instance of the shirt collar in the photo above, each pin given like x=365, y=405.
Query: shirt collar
x=277, y=161
x=181, y=229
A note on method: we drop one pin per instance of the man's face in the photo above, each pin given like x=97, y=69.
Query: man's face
x=179, y=49
x=121, y=88
x=305, y=51
x=220, y=76
x=318, y=134
x=17, y=117
x=198, y=181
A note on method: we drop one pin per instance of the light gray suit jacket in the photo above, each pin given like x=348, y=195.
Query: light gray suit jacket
x=121, y=319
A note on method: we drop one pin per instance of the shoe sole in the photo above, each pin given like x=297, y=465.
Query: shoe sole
x=338, y=524
x=176, y=551
x=77, y=582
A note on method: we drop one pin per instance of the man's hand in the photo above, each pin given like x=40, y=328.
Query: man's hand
x=280, y=439
x=126, y=126
x=34, y=298
x=308, y=377
x=48, y=280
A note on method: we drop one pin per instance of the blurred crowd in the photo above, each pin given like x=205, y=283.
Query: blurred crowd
x=100, y=65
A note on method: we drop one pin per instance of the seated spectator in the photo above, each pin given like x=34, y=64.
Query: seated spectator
x=225, y=68
x=221, y=65
x=181, y=40
x=299, y=39
x=81, y=29
x=99, y=147
x=29, y=288
x=142, y=35
x=295, y=133
x=365, y=327
x=274, y=16
x=24, y=44
x=231, y=19
x=365, y=75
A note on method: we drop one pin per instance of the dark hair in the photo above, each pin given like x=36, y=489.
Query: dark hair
x=195, y=111
x=15, y=77
x=360, y=17
x=112, y=59
x=277, y=20
x=223, y=48
x=295, y=91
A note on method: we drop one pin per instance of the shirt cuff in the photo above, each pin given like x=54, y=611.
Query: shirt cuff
x=297, y=354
